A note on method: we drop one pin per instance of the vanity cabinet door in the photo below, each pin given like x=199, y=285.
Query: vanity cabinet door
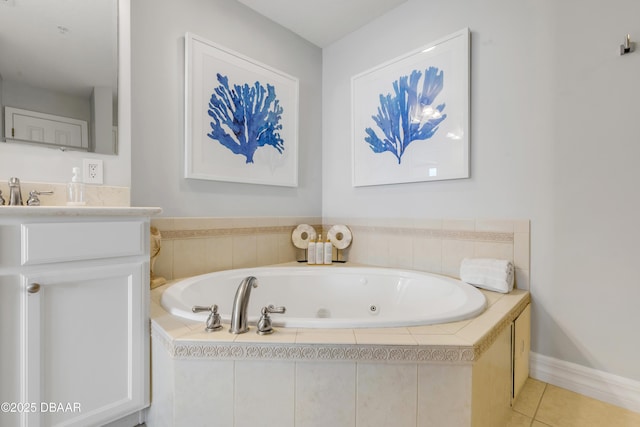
x=83, y=350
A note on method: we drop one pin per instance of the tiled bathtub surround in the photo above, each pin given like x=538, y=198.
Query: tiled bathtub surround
x=192, y=246
x=438, y=246
x=95, y=195
x=453, y=374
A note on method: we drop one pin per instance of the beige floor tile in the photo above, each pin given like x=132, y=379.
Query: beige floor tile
x=519, y=420
x=529, y=398
x=538, y=424
x=563, y=408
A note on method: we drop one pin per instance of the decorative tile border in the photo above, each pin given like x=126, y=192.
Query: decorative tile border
x=219, y=232
x=484, y=236
x=183, y=349
x=324, y=352
x=316, y=352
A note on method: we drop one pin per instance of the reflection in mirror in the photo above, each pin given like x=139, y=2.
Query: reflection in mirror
x=59, y=72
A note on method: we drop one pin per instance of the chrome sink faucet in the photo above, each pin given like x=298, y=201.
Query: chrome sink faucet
x=15, y=195
x=240, y=303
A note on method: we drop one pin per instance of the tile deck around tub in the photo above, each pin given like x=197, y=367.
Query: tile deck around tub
x=462, y=341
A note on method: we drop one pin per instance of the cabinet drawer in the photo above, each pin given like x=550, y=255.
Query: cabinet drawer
x=44, y=243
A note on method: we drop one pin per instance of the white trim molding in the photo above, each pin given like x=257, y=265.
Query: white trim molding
x=590, y=382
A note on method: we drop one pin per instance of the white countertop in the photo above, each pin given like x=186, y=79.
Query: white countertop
x=71, y=211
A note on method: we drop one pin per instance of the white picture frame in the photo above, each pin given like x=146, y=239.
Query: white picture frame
x=410, y=116
x=241, y=117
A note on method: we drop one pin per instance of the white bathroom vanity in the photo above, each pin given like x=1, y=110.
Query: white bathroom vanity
x=74, y=292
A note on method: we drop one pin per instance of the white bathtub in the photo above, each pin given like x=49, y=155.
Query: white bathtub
x=332, y=296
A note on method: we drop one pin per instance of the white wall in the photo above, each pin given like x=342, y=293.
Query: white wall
x=20, y=95
x=158, y=29
x=554, y=139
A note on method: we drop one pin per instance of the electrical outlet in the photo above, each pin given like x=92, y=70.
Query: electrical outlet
x=92, y=171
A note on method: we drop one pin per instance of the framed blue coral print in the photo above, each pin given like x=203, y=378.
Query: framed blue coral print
x=410, y=116
x=241, y=117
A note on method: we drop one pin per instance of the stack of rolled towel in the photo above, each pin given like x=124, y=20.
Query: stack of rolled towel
x=491, y=274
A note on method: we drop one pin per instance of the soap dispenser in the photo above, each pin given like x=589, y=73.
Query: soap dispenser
x=311, y=252
x=328, y=251
x=320, y=250
x=75, y=189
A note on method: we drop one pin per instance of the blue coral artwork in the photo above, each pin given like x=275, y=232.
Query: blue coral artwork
x=410, y=116
x=241, y=117
x=251, y=114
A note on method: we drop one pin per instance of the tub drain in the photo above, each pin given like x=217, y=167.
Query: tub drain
x=373, y=309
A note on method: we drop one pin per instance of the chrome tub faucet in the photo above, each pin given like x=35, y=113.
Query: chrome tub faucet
x=240, y=303
x=15, y=195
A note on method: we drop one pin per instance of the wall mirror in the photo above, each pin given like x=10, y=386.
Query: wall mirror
x=59, y=74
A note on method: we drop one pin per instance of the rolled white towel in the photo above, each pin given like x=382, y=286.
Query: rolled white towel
x=487, y=273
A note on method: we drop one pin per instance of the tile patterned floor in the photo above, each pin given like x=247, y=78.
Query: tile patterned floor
x=540, y=404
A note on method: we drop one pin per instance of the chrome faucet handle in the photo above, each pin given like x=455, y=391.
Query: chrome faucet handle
x=33, y=197
x=201, y=308
x=213, y=321
x=273, y=309
x=264, y=326
x=2, y=201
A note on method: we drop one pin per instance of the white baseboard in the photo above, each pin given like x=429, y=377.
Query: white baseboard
x=590, y=382
x=131, y=420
